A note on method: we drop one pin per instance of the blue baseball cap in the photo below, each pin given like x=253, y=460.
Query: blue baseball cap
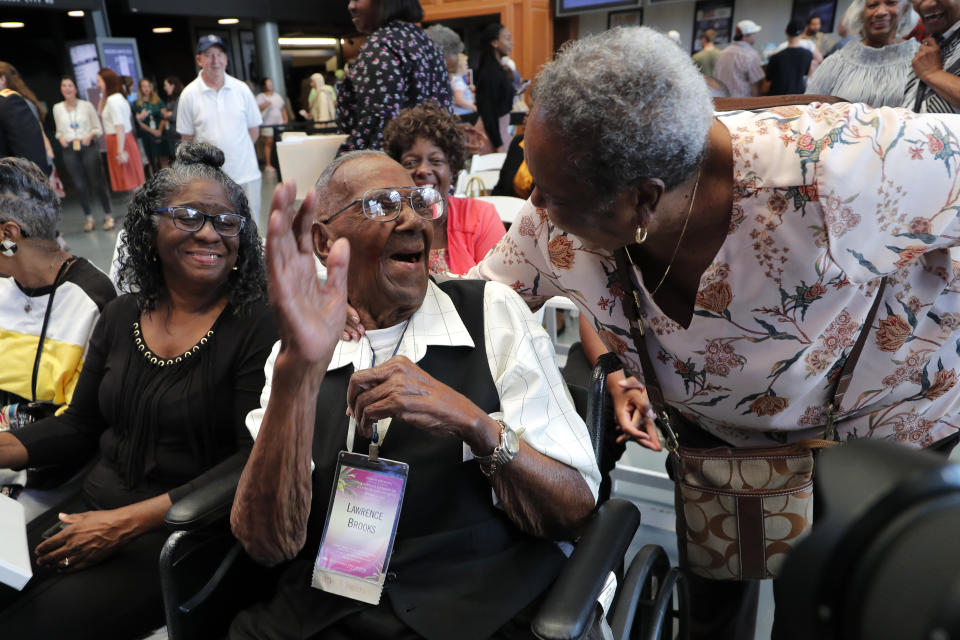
x=210, y=41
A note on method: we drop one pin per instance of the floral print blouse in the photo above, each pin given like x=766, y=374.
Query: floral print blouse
x=399, y=66
x=827, y=199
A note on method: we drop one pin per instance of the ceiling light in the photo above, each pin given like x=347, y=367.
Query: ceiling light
x=162, y=29
x=228, y=20
x=75, y=14
x=307, y=42
x=11, y=25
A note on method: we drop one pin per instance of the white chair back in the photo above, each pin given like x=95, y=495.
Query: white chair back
x=476, y=184
x=303, y=159
x=286, y=135
x=507, y=206
x=487, y=162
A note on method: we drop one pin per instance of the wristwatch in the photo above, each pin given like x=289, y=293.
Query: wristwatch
x=503, y=453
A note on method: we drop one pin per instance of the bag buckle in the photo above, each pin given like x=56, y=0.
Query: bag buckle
x=829, y=432
x=673, y=445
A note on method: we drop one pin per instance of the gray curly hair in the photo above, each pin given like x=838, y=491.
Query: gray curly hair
x=27, y=199
x=446, y=40
x=853, y=17
x=633, y=105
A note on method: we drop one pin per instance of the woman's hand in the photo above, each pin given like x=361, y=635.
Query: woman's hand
x=142, y=115
x=398, y=388
x=353, y=329
x=631, y=408
x=90, y=538
x=309, y=313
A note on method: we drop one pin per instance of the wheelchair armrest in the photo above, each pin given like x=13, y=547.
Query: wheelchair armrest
x=206, y=505
x=568, y=611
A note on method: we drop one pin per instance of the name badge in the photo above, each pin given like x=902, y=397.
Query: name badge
x=360, y=527
x=76, y=145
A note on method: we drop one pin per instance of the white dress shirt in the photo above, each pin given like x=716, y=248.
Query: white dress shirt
x=522, y=361
x=222, y=118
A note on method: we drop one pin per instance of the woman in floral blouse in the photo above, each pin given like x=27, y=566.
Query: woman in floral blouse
x=398, y=66
x=760, y=238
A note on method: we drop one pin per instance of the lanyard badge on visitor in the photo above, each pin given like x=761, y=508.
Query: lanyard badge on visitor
x=362, y=518
x=360, y=528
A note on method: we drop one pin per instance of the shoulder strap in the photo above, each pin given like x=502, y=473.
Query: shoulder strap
x=631, y=309
x=46, y=321
x=846, y=371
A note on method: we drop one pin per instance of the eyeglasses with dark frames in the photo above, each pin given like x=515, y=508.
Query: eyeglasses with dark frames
x=228, y=225
x=386, y=203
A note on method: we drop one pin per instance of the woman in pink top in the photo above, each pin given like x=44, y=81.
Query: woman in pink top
x=428, y=142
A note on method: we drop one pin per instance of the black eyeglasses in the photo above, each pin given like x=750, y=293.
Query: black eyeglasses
x=228, y=225
x=385, y=204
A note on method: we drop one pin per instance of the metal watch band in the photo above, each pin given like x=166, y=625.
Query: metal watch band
x=500, y=456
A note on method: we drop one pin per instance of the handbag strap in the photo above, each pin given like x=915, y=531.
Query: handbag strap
x=846, y=371
x=631, y=309
x=46, y=321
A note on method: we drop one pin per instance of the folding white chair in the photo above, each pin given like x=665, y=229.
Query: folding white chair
x=507, y=206
x=477, y=184
x=547, y=315
x=303, y=158
x=487, y=162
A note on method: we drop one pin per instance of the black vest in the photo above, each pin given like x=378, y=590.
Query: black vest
x=460, y=568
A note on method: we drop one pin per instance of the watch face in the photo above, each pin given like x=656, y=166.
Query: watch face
x=511, y=441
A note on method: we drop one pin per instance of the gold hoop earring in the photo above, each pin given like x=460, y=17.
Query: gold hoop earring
x=641, y=235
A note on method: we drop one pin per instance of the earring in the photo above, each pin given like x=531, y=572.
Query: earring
x=641, y=235
x=9, y=247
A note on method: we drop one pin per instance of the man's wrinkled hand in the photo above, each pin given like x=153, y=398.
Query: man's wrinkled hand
x=310, y=314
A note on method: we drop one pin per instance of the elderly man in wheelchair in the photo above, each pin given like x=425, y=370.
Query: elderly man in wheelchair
x=415, y=483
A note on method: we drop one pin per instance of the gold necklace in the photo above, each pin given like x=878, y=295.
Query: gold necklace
x=676, y=249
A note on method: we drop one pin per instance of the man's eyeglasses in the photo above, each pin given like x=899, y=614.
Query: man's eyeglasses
x=228, y=225
x=384, y=205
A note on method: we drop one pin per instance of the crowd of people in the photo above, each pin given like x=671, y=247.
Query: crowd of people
x=885, y=56
x=750, y=245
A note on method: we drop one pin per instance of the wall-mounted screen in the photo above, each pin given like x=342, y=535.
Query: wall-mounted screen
x=572, y=7
x=121, y=55
x=86, y=63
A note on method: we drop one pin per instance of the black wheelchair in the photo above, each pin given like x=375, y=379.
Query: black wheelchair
x=206, y=576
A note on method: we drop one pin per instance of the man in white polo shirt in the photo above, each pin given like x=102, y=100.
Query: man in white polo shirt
x=217, y=108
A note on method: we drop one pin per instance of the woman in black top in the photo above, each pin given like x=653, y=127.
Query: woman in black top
x=398, y=66
x=173, y=87
x=494, y=83
x=170, y=374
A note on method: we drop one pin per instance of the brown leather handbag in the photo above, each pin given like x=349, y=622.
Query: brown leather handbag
x=740, y=510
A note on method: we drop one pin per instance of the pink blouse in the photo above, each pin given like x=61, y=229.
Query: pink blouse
x=473, y=228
